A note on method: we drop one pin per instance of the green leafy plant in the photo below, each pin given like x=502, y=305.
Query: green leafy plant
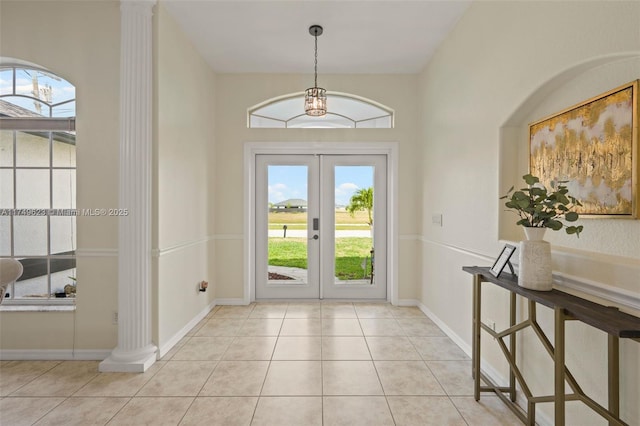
x=539, y=208
x=362, y=200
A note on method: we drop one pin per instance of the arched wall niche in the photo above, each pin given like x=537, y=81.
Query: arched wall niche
x=607, y=246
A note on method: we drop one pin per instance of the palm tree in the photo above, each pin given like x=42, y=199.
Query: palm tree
x=361, y=200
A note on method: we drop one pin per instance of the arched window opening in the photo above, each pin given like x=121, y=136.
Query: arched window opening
x=344, y=111
x=38, y=183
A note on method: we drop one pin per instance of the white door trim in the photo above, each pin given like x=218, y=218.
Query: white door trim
x=251, y=149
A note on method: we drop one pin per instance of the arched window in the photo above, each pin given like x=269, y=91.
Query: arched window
x=38, y=182
x=344, y=111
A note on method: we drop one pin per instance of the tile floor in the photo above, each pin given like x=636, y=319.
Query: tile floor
x=299, y=364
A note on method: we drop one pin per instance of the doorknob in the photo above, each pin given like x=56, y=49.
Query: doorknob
x=315, y=237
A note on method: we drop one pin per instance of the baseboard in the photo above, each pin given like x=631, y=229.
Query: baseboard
x=101, y=354
x=466, y=348
x=162, y=350
x=54, y=354
x=231, y=301
x=488, y=369
x=408, y=302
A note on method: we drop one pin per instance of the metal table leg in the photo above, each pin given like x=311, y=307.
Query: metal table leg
x=512, y=345
x=614, y=376
x=477, y=283
x=558, y=355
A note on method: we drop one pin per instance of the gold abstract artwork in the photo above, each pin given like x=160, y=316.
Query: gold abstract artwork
x=592, y=147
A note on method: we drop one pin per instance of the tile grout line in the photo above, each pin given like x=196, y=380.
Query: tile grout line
x=437, y=380
x=235, y=335
x=384, y=393
x=35, y=378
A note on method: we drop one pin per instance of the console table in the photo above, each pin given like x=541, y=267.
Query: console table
x=566, y=307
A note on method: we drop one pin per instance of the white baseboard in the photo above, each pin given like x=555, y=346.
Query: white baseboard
x=231, y=301
x=408, y=302
x=54, y=354
x=466, y=348
x=162, y=350
x=488, y=369
x=101, y=354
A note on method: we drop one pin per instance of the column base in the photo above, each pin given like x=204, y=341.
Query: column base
x=129, y=362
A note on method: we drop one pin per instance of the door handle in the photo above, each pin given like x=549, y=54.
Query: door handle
x=315, y=237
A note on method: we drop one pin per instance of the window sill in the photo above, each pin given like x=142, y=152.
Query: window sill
x=37, y=308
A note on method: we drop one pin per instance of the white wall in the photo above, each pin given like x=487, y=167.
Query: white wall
x=80, y=42
x=235, y=93
x=507, y=64
x=182, y=187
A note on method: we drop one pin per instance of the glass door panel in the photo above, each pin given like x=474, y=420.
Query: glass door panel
x=316, y=236
x=354, y=211
x=353, y=224
x=287, y=248
x=286, y=203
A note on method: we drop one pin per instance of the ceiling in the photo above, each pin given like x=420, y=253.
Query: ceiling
x=265, y=36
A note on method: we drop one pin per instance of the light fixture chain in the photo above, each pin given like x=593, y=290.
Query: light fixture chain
x=315, y=98
x=315, y=65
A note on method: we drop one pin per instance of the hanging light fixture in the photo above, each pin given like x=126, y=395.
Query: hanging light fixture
x=315, y=98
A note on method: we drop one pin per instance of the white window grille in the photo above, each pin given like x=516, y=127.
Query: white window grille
x=38, y=183
x=343, y=111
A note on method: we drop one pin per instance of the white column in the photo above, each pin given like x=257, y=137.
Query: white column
x=135, y=351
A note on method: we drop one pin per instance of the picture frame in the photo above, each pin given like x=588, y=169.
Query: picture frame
x=502, y=260
x=593, y=146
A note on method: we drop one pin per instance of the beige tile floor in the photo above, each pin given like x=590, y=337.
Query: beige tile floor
x=298, y=364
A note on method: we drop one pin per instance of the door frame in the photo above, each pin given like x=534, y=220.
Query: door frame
x=251, y=149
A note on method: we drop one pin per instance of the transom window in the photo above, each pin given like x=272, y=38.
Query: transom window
x=344, y=111
x=38, y=183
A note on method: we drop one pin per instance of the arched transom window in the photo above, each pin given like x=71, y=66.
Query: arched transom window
x=344, y=111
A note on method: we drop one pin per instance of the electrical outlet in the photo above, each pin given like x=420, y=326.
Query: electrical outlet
x=491, y=324
x=436, y=219
x=114, y=318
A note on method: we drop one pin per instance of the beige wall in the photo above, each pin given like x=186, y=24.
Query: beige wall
x=507, y=64
x=183, y=194
x=88, y=57
x=238, y=92
x=459, y=125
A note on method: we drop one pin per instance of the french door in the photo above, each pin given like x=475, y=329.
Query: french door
x=321, y=226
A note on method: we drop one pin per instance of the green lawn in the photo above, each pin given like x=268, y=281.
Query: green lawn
x=344, y=221
x=350, y=252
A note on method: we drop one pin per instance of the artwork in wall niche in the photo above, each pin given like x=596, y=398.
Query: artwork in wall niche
x=594, y=147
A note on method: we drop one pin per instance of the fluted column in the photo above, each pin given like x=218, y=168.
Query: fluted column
x=135, y=351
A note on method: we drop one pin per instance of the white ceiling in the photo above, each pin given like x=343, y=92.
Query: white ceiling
x=265, y=36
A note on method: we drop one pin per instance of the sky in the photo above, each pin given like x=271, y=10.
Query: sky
x=51, y=89
x=287, y=182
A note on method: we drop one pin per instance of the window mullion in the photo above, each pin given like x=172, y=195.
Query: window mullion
x=15, y=198
x=49, y=216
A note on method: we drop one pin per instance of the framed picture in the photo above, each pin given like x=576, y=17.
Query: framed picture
x=593, y=146
x=502, y=260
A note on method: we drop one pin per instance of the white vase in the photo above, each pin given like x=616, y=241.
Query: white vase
x=535, y=261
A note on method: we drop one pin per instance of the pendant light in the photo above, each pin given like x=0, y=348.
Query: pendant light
x=315, y=98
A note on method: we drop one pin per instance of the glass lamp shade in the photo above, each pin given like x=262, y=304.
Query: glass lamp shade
x=315, y=101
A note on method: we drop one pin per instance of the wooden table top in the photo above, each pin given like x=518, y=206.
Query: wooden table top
x=605, y=318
